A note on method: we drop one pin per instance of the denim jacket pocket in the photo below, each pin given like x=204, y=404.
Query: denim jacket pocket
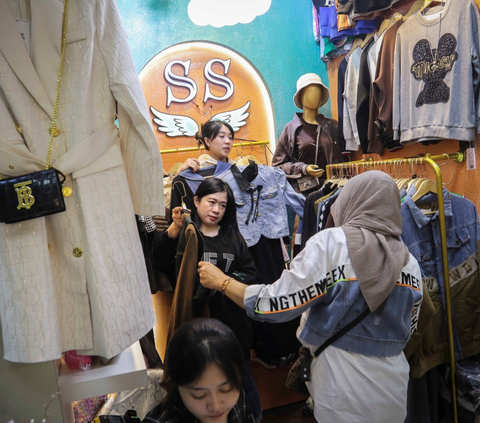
x=422, y=252
x=242, y=209
x=456, y=238
x=269, y=201
x=459, y=246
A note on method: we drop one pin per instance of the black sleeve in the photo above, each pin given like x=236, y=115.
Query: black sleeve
x=163, y=252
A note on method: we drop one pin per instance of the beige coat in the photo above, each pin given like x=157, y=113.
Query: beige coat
x=98, y=299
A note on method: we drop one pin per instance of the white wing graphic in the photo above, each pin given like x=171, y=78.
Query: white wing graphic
x=236, y=118
x=174, y=125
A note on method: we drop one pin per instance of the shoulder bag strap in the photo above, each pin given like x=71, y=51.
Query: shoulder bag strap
x=341, y=332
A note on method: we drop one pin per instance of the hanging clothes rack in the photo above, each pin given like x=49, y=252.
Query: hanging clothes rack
x=238, y=144
x=430, y=160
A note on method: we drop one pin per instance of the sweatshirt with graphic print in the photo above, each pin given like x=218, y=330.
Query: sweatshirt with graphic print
x=437, y=75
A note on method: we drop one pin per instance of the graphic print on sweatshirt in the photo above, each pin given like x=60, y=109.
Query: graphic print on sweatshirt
x=431, y=66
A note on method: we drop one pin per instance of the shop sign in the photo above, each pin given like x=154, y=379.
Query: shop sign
x=189, y=83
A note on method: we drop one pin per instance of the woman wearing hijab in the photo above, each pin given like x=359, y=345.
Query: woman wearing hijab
x=359, y=265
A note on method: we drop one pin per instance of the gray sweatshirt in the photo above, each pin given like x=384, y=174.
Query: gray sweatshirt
x=437, y=75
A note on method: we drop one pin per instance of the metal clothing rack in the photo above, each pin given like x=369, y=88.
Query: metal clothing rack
x=238, y=144
x=457, y=157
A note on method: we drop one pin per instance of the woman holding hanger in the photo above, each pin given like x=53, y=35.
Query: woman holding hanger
x=359, y=273
x=222, y=244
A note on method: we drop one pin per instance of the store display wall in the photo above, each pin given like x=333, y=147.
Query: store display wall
x=279, y=43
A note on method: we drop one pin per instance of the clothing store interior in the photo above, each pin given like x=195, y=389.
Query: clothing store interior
x=239, y=211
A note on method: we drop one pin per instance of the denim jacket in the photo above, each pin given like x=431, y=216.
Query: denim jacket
x=421, y=233
x=261, y=207
x=322, y=285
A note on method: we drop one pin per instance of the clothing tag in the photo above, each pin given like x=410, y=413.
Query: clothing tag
x=25, y=28
x=471, y=160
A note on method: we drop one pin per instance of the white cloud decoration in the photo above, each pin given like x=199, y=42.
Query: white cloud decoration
x=219, y=13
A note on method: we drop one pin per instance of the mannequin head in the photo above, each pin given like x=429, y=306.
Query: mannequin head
x=311, y=92
x=311, y=97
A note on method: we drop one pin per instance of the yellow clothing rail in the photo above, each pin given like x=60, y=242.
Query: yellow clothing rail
x=238, y=144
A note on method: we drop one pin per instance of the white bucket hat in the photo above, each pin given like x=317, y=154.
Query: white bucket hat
x=305, y=81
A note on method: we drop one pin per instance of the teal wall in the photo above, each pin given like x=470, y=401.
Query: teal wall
x=279, y=43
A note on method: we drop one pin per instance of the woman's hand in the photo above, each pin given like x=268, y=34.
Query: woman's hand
x=178, y=217
x=210, y=275
x=194, y=164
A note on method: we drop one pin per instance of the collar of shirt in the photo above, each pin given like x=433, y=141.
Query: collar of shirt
x=420, y=219
x=245, y=176
x=220, y=168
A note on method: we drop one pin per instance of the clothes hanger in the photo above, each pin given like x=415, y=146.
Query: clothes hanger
x=415, y=6
x=242, y=161
x=383, y=27
x=252, y=157
x=430, y=3
x=355, y=44
x=174, y=168
x=367, y=39
x=426, y=186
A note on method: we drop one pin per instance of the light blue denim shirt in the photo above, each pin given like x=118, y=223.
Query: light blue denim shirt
x=262, y=206
x=421, y=233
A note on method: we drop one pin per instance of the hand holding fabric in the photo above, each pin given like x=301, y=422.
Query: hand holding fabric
x=194, y=164
x=210, y=275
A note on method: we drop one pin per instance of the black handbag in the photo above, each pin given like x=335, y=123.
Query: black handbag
x=30, y=196
x=299, y=373
x=39, y=193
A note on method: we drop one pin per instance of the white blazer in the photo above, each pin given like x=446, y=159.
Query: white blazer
x=76, y=280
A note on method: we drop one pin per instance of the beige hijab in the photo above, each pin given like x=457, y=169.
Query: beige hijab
x=368, y=211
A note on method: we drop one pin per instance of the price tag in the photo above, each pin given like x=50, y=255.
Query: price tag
x=471, y=159
x=26, y=32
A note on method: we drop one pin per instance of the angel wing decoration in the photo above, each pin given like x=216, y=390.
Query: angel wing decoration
x=236, y=118
x=174, y=125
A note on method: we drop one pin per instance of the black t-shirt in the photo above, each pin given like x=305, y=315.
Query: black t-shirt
x=231, y=255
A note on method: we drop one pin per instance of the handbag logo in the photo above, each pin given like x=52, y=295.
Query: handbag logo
x=24, y=195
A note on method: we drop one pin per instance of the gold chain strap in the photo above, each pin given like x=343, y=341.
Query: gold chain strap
x=54, y=131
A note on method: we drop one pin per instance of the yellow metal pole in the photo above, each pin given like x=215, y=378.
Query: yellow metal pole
x=446, y=280
x=238, y=144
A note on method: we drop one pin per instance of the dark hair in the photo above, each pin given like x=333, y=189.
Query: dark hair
x=193, y=347
x=228, y=224
x=210, y=130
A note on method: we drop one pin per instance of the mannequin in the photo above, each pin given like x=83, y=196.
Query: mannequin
x=311, y=98
x=310, y=141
